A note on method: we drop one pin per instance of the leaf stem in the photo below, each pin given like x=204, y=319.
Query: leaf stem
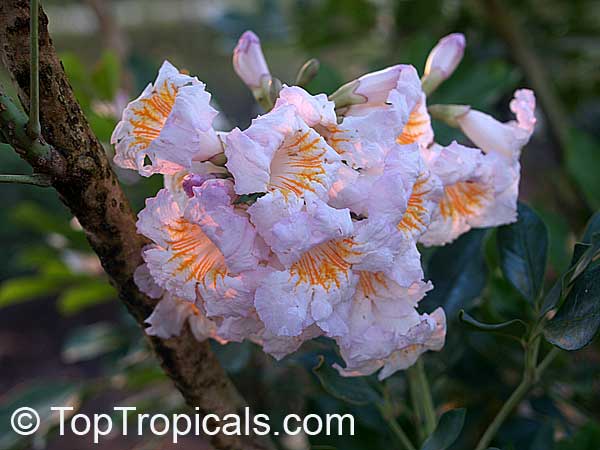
x=531, y=376
x=33, y=126
x=40, y=180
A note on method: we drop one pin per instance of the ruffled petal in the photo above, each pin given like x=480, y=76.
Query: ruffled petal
x=228, y=228
x=279, y=151
x=480, y=190
x=383, y=322
x=169, y=124
x=291, y=226
x=171, y=313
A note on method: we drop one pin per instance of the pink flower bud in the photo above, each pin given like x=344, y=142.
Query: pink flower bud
x=376, y=86
x=249, y=62
x=446, y=55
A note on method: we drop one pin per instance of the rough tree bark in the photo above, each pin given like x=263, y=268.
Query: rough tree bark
x=81, y=174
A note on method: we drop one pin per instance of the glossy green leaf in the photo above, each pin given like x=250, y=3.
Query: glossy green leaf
x=447, y=430
x=586, y=438
x=523, y=248
x=354, y=390
x=578, y=319
x=515, y=327
x=458, y=272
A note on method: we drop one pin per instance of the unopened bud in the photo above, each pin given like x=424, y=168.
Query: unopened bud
x=249, y=62
x=307, y=72
x=443, y=60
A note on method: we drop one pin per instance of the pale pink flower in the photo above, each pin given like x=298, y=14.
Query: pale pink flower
x=206, y=241
x=167, y=126
x=280, y=152
x=385, y=329
x=506, y=139
x=480, y=190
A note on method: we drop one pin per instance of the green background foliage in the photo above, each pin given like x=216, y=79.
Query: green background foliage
x=65, y=339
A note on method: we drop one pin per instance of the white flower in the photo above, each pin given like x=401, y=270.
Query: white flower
x=480, y=190
x=280, y=152
x=508, y=138
x=208, y=240
x=167, y=126
x=385, y=329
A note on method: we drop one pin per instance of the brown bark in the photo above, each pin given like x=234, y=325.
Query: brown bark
x=83, y=177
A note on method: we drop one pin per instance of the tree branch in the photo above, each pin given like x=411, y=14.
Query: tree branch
x=80, y=172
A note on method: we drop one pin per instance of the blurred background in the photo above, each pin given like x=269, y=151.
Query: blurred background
x=64, y=338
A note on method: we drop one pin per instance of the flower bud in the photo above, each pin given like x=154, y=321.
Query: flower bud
x=504, y=138
x=370, y=90
x=249, y=62
x=307, y=72
x=443, y=60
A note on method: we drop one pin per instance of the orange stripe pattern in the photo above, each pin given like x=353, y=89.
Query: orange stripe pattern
x=150, y=114
x=326, y=264
x=463, y=199
x=299, y=164
x=195, y=254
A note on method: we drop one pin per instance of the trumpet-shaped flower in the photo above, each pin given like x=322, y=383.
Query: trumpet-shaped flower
x=398, y=88
x=206, y=241
x=508, y=138
x=314, y=288
x=480, y=190
x=167, y=126
x=280, y=152
x=385, y=329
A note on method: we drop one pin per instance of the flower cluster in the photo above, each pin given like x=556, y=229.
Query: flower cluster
x=306, y=223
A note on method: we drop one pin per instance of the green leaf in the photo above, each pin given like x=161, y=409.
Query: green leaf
x=523, y=248
x=515, y=327
x=91, y=341
x=582, y=160
x=447, y=430
x=578, y=319
x=82, y=296
x=354, y=390
x=28, y=288
x=458, y=272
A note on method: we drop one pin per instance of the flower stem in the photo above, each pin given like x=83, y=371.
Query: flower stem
x=531, y=375
x=421, y=398
x=396, y=428
x=40, y=180
x=33, y=126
